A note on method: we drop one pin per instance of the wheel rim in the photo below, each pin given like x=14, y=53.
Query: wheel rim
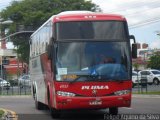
x=156, y=82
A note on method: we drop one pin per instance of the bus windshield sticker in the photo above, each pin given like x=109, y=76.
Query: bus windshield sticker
x=58, y=77
x=70, y=77
x=62, y=71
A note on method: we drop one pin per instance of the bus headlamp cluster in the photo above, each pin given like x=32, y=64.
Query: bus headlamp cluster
x=122, y=92
x=67, y=94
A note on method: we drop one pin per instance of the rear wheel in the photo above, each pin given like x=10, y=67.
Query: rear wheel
x=113, y=110
x=39, y=105
x=156, y=81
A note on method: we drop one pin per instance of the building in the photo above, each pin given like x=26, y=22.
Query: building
x=143, y=55
x=9, y=64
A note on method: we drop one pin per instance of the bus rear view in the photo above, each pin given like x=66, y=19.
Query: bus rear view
x=90, y=60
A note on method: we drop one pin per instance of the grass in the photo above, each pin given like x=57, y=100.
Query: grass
x=1, y=113
x=148, y=93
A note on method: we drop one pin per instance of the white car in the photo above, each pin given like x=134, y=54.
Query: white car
x=152, y=76
x=135, y=78
x=24, y=80
x=4, y=84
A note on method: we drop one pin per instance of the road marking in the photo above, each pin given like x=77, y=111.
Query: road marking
x=127, y=108
x=146, y=96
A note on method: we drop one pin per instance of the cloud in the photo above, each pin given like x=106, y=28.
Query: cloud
x=4, y=3
x=135, y=11
x=155, y=44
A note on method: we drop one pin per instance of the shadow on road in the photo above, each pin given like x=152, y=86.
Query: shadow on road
x=67, y=115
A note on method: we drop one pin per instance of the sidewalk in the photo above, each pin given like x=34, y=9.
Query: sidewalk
x=15, y=96
x=145, y=96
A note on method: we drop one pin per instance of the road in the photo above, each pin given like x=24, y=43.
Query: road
x=24, y=107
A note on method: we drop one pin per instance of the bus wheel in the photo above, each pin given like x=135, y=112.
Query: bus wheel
x=39, y=105
x=133, y=85
x=113, y=110
x=55, y=113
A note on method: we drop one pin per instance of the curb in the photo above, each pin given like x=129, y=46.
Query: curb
x=9, y=115
x=145, y=96
x=16, y=96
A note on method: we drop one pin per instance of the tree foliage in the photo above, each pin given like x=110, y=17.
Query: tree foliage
x=154, y=61
x=30, y=14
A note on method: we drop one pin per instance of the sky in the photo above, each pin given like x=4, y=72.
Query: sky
x=143, y=17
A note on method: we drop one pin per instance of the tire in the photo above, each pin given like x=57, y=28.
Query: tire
x=113, y=110
x=133, y=85
x=34, y=92
x=38, y=105
x=7, y=88
x=55, y=113
x=156, y=81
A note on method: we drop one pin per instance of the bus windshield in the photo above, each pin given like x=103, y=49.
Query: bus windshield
x=86, y=61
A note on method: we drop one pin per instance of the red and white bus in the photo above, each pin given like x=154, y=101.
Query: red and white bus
x=82, y=60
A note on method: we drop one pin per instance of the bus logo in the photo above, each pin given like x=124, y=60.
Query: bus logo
x=95, y=87
x=94, y=92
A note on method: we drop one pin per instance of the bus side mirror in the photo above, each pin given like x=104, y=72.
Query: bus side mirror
x=134, y=50
x=133, y=38
x=134, y=46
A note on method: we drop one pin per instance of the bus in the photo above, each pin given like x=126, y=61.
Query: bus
x=82, y=60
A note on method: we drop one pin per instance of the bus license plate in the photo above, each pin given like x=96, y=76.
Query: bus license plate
x=95, y=102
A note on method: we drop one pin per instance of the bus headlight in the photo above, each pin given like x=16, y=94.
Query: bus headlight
x=67, y=94
x=122, y=92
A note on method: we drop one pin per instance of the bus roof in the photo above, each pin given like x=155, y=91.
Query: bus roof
x=85, y=16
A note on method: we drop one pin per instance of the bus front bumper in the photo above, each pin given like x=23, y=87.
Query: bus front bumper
x=92, y=102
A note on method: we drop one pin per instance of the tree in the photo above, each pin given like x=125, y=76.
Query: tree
x=154, y=61
x=30, y=14
x=136, y=66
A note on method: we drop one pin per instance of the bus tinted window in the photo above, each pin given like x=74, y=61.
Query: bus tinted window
x=108, y=60
x=91, y=30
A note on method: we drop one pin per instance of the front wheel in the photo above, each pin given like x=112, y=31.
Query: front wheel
x=113, y=110
x=156, y=81
x=55, y=113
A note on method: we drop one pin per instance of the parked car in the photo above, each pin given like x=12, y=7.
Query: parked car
x=135, y=78
x=24, y=80
x=152, y=76
x=4, y=84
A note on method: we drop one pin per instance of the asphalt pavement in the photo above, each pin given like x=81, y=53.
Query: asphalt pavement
x=24, y=107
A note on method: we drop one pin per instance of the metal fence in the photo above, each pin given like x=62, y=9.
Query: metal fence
x=24, y=88
x=147, y=89
x=13, y=87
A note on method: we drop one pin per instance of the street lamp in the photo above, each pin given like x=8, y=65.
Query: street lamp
x=157, y=33
x=1, y=32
